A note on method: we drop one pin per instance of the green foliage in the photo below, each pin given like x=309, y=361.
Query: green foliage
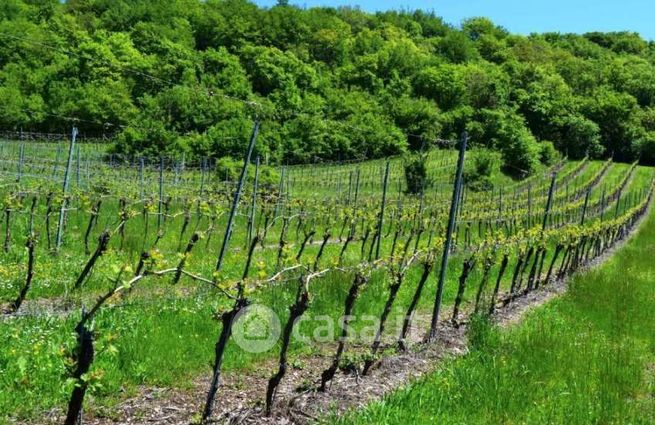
x=621, y=42
x=479, y=172
x=520, y=151
x=618, y=119
x=547, y=153
x=329, y=83
x=416, y=173
x=506, y=131
x=580, y=138
x=269, y=178
x=443, y=84
x=419, y=117
x=456, y=47
x=229, y=169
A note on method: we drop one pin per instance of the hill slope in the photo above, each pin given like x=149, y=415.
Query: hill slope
x=328, y=84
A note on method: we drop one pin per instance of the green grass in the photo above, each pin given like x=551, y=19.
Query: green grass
x=587, y=357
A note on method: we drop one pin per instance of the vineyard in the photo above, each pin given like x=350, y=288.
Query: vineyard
x=121, y=274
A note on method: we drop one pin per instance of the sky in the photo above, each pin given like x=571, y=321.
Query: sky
x=523, y=16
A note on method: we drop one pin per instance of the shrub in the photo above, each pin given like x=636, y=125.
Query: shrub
x=547, y=153
x=416, y=173
x=505, y=131
x=519, y=148
x=647, y=150
x=228, y=168
x=269, y=177
x=478, y=173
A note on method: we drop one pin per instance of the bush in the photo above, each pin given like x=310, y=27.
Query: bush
x=520, y=155
x=416, y=173
x=228, y=168
x=519, y=148
x=504, y=130
x=478, y=173
x=647, y=150
x=547, y=154
x=269, y=177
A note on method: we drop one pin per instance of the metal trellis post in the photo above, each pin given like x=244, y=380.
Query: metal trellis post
x=64, y=202
x=237, y=197
x=449, y=237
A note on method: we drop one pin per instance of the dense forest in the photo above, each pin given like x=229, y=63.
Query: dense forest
x=190, y=76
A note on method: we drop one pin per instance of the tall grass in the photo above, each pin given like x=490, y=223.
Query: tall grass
x=585, y=358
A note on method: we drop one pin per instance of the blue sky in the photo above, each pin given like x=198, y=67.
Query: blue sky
x=524, y=16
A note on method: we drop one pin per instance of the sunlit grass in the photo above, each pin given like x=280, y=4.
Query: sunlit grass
x=584, y=358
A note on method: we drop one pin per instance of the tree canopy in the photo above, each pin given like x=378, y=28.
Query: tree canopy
x=172, y=76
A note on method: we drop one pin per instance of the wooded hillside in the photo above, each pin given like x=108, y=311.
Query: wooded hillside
x=166, y=76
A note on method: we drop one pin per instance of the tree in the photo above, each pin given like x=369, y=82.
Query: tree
x=478, y=173
x=616, y=115
x=416, y=173
x=419, y=117
x=508, y=134
x=477, y=28
x=443, y=84
x=456, y=47
x=329, y=83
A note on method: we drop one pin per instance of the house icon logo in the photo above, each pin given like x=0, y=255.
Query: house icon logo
x=256, y=328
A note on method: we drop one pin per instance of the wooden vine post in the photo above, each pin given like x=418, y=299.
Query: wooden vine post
x=141, y=182
x=357, y=186
x=203, y=165
x=55, y=166
x=618, y=204
x=602, y=206
x=77, y=166
x=529, y=205
x=280, y=192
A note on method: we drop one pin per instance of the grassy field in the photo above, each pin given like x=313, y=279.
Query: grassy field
x=587, y=357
